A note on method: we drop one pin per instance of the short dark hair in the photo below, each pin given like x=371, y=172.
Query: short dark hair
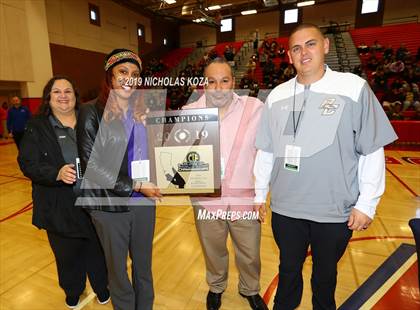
x=305, y=26
x=219, y=60
x=44, y=108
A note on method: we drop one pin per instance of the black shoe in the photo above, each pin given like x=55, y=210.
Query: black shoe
x=72, y=302
x=214, y=300
x=255, y=301
x=103, y=297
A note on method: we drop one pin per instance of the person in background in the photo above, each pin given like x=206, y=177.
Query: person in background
x=111, y=136
x=47, y=156
x=17, y=117
x=3, y=119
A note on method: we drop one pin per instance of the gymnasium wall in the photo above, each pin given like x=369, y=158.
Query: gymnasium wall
x=323, y=13
x=78, y=48
x=15, y=55
x=395, y=9
x=191, y=33
x=69, y=25
x=264, y=22
x=82, y=66
x=24, y=48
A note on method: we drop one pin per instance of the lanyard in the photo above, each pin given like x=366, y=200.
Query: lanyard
x=296, y=124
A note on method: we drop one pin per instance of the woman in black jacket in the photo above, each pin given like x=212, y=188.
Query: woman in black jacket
x=111, y=137
x=47, y=156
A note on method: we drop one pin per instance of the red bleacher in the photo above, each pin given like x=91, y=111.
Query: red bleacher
x=173, y=58
x=258, y=70
x=393, y=35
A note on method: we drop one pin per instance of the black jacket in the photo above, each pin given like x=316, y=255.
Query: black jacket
x=103, y=156
x=40, y=159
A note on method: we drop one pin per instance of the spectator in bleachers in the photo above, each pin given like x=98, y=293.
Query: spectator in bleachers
x=255, y=88
x=206, y=56
x=252, y=65
x=372, y=63
x=263, y=59
x=417, y=72
x=388, y=52
x=161, y=66
x=247, y=80
x=411, y=100
x=229, y=53
x=416, y=116
x=397, y=67
x=213, y=55
x=418, y=54
x=269, y=67
x=391, y=98
x=376, y=47
x=255, y=44
x=380, y=81
x=289, y=72
x=402, y=52
x=408, y=73
x=386, y=67
x=273, y=49
x=281, y=51
x=266, y=45
x=270, y=83
x=284, y=65
x=358, y=70
x=363, y=48
x=397, y=83
x=395, y=79
x=396, y=112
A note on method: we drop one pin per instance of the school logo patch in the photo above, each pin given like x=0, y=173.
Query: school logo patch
x=329, y=107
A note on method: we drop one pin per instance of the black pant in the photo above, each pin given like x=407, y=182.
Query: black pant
x=328, y=242
x=76, y=258
x=17, y=137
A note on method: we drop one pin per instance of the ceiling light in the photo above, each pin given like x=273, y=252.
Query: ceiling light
x=199, y=20
x=305, y=3
x=249, y=12
x=169, y=1
x=214, y=7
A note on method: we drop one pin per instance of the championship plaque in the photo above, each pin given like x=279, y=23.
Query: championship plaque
x=184, y=151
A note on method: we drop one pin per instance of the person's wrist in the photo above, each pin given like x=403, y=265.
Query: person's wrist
x=137, y=185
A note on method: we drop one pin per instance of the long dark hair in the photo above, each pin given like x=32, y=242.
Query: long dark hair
x=44, y=108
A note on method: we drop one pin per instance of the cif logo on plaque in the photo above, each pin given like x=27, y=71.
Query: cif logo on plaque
x=193, y=163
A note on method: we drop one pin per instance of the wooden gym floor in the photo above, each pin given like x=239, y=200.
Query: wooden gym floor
x=377, y=257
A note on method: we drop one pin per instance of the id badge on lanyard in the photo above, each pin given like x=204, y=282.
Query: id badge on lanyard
x=140, y=170
x=292, y=157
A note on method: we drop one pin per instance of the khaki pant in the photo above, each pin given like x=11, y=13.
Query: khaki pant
x=246, y=239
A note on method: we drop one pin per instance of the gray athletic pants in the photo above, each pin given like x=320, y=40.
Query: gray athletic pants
x=123, y=233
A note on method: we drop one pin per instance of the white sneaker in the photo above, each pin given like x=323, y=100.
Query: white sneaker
x=103, y=302
x=104, y=299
